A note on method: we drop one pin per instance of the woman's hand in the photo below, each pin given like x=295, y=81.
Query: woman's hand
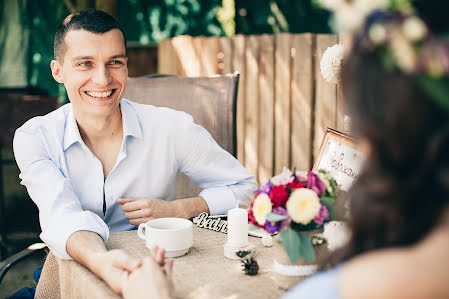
x=152, y=280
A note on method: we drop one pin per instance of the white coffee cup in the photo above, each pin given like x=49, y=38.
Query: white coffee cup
x=173, y=234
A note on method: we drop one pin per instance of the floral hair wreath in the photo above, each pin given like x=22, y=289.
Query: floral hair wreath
x=402, y=40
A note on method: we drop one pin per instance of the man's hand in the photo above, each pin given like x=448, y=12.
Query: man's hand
x=89, y=250
x=141, y=210
x=152, y=280
x=115, y=264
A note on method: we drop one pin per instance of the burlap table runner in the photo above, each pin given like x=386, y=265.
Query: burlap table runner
x=202, y=273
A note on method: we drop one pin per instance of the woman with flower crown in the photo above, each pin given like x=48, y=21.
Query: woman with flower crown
x=396, y=84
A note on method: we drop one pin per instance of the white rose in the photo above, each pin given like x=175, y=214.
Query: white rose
x=414, y=29
x=348, y=19
x=303, y=205
x=330, y=63
x=377, y=34
x=262, y=206
x=404, y=53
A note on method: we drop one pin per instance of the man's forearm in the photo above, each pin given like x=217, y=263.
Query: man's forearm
x=88, y=249
x=83, y=247
x=190, y=207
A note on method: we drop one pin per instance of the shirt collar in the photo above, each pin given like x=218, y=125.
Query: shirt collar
x=131, y=125
x=72, y=133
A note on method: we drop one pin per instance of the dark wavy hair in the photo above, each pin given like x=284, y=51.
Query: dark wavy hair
x=403, y=187
x=92, y=20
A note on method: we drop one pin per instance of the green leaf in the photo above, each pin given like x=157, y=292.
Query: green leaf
x=388, y=60
x=253, y=227
x=291, y=242
x=328, y=202
x=272, y=217
x=306, y=250
x=297, y=245
x=437, y=88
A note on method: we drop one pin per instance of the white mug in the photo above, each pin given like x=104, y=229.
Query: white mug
x=173, y=234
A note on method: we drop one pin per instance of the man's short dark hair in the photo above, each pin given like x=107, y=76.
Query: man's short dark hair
x=92, y=20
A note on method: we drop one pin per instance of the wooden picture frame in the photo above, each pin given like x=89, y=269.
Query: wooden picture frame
x=339, y=155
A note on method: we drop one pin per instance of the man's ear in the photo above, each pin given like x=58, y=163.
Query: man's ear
x=56, y=70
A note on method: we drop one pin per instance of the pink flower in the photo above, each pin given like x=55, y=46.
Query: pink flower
x=314, y=183
x=322, y=215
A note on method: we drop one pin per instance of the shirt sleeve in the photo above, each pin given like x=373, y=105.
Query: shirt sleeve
x=225, y=182
x=60, y=211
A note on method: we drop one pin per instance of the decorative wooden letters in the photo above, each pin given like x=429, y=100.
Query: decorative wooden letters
x=214, y=223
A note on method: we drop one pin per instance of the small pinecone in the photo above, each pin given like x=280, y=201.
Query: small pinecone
x=242, y=253
x=250, y=266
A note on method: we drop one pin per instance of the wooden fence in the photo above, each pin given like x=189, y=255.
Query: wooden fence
x=283, y=106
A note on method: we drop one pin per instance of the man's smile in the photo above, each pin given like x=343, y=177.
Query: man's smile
x=100, y=94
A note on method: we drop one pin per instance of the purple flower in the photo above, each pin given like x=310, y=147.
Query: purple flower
x=322, y=215
x=282, y=211
x=314, y=183
x=266, y=188
x=271, y=227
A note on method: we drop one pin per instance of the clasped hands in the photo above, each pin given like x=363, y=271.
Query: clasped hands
x=153, y=279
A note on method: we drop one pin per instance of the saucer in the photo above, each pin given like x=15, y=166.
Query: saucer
x=176, y=253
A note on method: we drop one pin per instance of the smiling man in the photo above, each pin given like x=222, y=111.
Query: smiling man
x=104, y=164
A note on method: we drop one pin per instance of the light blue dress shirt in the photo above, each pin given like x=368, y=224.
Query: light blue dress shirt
x=66, y=180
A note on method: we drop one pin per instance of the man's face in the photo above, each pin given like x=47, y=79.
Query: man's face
x=94, y=72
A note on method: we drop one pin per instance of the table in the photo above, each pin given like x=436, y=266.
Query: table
x=202, y=273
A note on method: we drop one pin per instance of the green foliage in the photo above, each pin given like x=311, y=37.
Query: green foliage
x=226, y=16
x=275, y=16
x=42, y=31
x=252, y=227
x=272, y=217
x=297, y=245
x=329, y=202
x=149, y=21
x=437, y=88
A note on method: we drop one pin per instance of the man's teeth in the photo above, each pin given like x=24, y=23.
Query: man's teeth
x=97, y=94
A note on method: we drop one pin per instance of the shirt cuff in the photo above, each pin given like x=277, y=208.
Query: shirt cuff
x=219, y=199
x=61, y=228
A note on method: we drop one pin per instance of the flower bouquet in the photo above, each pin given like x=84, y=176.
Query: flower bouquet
x=291, y=205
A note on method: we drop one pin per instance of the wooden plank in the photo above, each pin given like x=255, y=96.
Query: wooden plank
x=186, y=55
x=342, y=110
x=325, y=95
x=238, y=65
x=302, y=101
x=282, y=119
x=142, y=60
x=198, y=46
x=266, y=113
x=162, y=59
x=210, y=49
x=252, y=105
x=225, y=56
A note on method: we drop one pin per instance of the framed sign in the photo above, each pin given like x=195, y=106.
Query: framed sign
x=338, y=154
